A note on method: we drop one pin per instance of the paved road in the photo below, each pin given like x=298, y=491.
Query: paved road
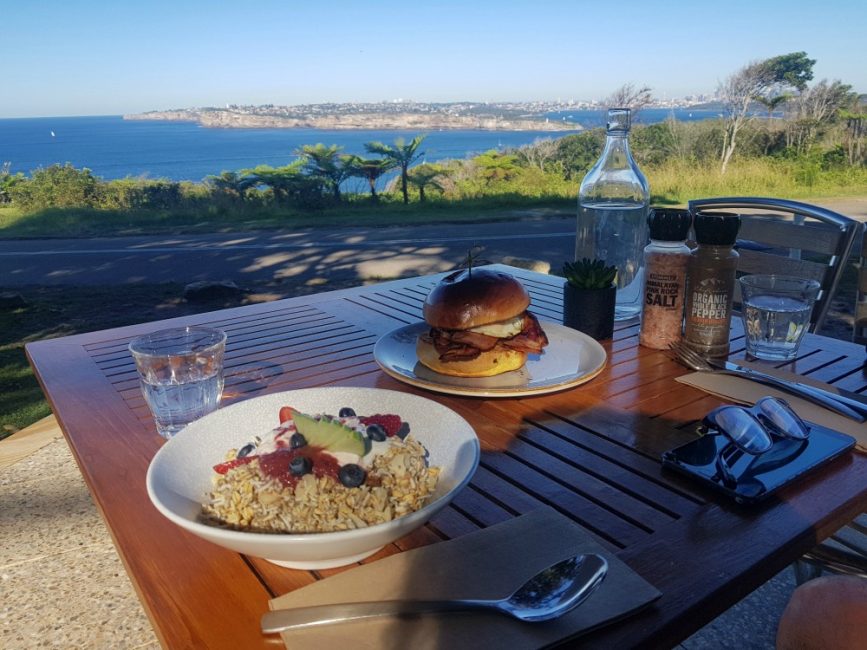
x=305, y=256
x=251, y=259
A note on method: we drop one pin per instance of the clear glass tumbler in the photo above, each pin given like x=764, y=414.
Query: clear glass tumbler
x=776, y=311
x=181, y=374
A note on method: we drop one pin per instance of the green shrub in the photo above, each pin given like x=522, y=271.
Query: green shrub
x=57, y=186
x=162, y=195
x=194, y=192
x=653, y=144
x=579, y=152
x=143, y=194
x=7, y=181
x=836, y=158
x=122, y=194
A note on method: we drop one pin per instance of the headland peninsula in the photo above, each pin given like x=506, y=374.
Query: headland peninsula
x=373, y=116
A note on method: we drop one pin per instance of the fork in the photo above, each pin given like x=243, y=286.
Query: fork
x=837, y=403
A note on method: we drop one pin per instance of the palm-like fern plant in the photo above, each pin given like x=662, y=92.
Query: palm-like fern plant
x=231, y=183
x=424, y=176
x=327, y=163
x=370, y=169
x=402, y=153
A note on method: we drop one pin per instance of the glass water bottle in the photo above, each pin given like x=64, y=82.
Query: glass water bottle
x=612, y=214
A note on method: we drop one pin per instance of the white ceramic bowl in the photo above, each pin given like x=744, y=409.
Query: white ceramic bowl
x=180, y=473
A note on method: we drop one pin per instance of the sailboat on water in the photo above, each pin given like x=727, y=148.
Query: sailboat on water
x=52, y=134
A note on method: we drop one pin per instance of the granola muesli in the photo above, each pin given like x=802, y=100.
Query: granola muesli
x=256, y=489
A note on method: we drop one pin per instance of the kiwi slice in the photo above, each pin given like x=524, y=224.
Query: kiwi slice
x=330, y=434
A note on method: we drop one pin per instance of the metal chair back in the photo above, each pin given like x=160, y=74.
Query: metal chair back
x=860, y=333
x=790, y=238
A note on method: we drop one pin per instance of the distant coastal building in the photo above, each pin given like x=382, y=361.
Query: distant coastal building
x=398, y=115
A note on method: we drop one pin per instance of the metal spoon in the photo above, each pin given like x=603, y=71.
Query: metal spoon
x=550, y=593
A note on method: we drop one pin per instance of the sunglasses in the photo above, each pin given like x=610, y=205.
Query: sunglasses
x=752, y=430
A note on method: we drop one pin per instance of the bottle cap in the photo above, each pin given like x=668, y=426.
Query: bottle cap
x=716, y=228
x=618, y=120
x=669, y=224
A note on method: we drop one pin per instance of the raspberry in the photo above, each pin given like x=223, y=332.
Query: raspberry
x=391, y=423
x=223, y=468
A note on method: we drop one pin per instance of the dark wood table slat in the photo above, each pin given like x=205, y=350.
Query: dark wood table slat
x=659, y=503
x=237, y=334
x=100, y=345
x=591, y=514
x=303, y=353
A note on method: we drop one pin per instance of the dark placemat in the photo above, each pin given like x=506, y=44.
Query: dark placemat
x=489, y=563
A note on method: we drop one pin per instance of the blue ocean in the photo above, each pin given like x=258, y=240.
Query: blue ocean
x=593, y=118
x=114, y=148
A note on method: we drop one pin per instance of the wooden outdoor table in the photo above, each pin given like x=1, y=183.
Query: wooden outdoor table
x=592, y=452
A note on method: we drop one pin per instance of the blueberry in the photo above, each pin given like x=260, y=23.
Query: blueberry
x=246, y=450
x=403, y=432
x=297, y=440
x=376, y=432
x=300, y=465
x=352, y=475
x=346, y=412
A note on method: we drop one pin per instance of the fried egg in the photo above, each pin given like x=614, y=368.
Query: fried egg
x=502, y=329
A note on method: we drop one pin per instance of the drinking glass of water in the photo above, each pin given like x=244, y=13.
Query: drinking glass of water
x=776, y=311
x=181, y=374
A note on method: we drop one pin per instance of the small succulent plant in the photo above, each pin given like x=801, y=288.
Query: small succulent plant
x=589, y=274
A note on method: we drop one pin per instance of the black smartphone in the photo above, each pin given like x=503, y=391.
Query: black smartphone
x=715, y=461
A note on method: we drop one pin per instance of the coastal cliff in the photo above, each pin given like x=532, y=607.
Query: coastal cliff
x=348, y=120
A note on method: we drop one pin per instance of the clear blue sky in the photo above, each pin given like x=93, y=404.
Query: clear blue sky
x=99, y=57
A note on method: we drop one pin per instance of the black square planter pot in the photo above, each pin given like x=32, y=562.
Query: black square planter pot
x=590, y=310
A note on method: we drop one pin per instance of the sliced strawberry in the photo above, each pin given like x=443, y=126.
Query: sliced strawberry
x=390, y=422
x=286, y=414
x=223, y=468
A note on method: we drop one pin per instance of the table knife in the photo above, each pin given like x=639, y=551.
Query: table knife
x=850, y=407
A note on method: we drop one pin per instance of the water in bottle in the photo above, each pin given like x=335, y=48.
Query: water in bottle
x=612, y=214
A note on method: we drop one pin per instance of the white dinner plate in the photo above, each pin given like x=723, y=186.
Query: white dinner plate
x=570, y=358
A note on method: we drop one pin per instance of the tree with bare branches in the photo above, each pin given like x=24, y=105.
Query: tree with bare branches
x=757, y=79
x=630, y=96
x=856, y=118
x=540, y=152
x=814, y=110
x=737, y=92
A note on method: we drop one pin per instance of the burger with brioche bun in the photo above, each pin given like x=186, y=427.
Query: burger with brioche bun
x=479, y=325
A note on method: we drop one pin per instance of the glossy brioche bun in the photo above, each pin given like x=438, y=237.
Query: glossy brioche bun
x=487, y=364
x=464, y=300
